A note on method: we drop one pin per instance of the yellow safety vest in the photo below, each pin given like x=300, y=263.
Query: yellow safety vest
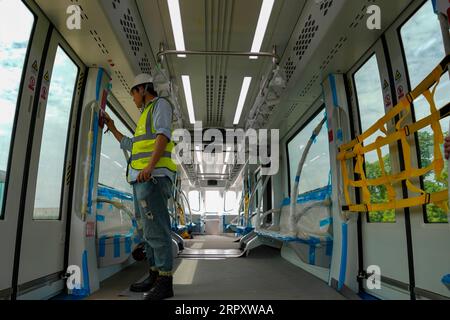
x=144, y=142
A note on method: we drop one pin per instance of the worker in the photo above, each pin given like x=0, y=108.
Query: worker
x=151, y=172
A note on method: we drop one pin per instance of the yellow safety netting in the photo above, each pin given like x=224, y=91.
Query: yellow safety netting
x=355, y=150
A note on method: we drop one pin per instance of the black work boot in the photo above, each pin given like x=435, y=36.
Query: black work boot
x=162, y=289
x=145, y=285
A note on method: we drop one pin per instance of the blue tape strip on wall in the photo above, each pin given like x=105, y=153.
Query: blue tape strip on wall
x=128, y=244
x=316, y=195
x=326, y=222
x=100, y=218
x=312, y=255
x=93, y=159
x=85, y=290
x=102, y=246
x=117, y=246
x=111, y=193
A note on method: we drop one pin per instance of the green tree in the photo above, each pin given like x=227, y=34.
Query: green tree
x=431, y=185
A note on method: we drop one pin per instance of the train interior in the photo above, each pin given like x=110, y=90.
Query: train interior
x=348, y=102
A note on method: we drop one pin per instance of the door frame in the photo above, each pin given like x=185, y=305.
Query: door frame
x=47, y=280
x=395, y=285
x=425, y=285
x=11, y=221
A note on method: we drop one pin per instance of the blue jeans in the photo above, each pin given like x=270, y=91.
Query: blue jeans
x=150, y=201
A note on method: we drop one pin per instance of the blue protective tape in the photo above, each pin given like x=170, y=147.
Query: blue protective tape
x=340, y=135
x=93, y=159
x=86, y=290
x=312, y=255
x=128, y=243
x=100, y=218
x=343, y=256
x=99, y=83
x=99, y=205
x=111, y=193
x=446, y=280
x=329, y=247
x=297, y=179
x=435, y=8
x=117, y=246
x=134, y=222
x=326, y=222
x=334, y=90
x=102, y=246
x=316, y=195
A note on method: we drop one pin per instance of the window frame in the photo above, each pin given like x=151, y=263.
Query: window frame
x=320, y=109
x=362, y=63
x=413, y=111
x=109, y=105
x=73, y=115
x=17, y=111
x=199, y=203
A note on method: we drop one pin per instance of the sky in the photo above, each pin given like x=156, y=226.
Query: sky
x=113, y=165
x=316, y=171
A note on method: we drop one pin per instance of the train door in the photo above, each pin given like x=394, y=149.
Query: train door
x=384, y=241
x=20, y=51
x=45, y=204
x=416, y=47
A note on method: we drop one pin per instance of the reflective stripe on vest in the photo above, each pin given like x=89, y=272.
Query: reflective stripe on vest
x=144, y=144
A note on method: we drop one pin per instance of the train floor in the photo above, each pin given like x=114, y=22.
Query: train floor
x=263, y=275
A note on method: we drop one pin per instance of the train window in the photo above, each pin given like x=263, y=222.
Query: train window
x=424, y=49
x=213, y=202
x=54, y=138
x=16, y=25
x=194, y=200
x=231, y=201
x=369, y=96
x=113, y=164
x=316, y=171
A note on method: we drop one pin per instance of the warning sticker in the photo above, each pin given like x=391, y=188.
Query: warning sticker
x=44, y=93
x=387, y=101
x=386, y=85
x=47, y=77
x=398, y=76
x=400, y=92
x=34, y=66
x=32, y=83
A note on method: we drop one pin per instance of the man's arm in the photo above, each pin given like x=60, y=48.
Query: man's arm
x=112, y=127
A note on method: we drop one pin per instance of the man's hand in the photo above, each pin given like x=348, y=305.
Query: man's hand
x=145, y=175
x=108, y=121
x=447, y=148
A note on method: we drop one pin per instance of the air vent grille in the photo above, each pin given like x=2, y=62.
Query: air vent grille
x=221, y=98
x=131, y=32
x=99, y=42
x=144, y=64
x=309, y=85
x=325, y=6
x=209, y=96
x=289, y=69
x=306, y=36
x=338, y=46
x=122, y=80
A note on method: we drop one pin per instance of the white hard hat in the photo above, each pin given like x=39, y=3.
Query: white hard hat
x=143, y=78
